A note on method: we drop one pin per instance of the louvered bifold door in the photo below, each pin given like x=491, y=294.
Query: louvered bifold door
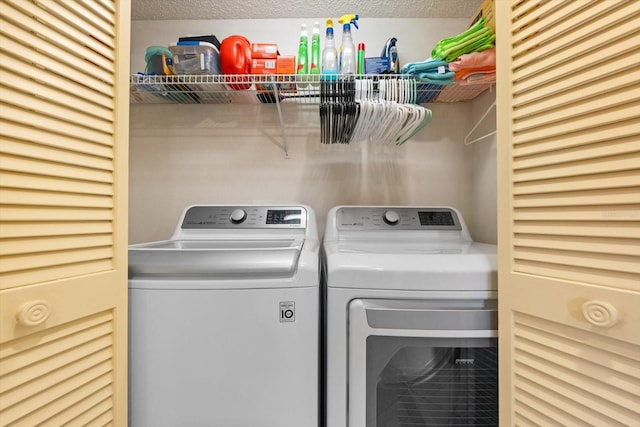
x=569, y=212
x=63, y=219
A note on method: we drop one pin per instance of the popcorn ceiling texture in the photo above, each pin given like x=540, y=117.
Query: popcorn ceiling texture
x=272, y=9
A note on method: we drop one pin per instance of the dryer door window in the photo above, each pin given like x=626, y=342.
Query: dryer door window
x=423, y=363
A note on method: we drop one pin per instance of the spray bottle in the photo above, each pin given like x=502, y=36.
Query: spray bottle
x=347, y=48
x=315, y=49
x=329, y=54
x=303, y=52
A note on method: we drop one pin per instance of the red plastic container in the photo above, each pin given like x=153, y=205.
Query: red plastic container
x=235, y=58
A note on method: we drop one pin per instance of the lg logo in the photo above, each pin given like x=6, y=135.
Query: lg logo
x=287, y=311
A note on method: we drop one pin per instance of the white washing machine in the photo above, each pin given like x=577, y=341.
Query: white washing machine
x=224, y=320
x=411, y=319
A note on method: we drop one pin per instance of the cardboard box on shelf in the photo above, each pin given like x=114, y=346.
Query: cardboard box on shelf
x=286, y=64
x=264, y=50
x=485, y=10
x=263, y=66
x=376, y=65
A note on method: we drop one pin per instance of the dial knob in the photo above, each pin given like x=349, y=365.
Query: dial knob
x=391, y=217
x=238, y=216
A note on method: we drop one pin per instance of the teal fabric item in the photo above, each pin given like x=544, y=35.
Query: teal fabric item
x=440, y=79
x=416, y=67
x=428, y=71
x=477, y=38
x=157, y=50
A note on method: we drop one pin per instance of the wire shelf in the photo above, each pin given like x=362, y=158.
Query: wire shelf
x=281, y=88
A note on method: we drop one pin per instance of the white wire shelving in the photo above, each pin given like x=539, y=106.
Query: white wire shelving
x=283, y=89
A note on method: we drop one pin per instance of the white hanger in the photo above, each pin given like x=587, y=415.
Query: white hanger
x=466, y=138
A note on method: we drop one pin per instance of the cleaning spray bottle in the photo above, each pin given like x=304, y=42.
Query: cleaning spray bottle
x=303, y=52
x=315, y=49
x=347, y=48
x=329, y=54
x=302, y=66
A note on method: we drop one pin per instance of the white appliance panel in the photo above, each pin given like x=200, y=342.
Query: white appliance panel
x=224, y=357
x=391, y=273
x=224, y=320
x=406, y=365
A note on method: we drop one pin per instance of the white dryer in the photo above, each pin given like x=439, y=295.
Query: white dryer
x=411, y=319
x=224, y=320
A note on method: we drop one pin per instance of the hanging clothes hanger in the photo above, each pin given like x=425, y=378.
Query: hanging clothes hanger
x=473, y=141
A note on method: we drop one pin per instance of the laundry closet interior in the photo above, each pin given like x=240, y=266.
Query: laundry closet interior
x=88, y=169
x=239, y=153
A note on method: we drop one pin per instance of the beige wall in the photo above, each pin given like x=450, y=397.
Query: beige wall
x=482, y=219
x=188, y=154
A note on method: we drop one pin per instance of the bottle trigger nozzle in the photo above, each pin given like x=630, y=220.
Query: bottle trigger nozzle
x=349, y=18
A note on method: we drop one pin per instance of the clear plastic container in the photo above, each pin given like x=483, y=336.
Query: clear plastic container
x=195, y=58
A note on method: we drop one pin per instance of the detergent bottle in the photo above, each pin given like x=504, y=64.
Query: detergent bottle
x=303, y=51
x=315, y=49
x=329, y=54
x=347, y=48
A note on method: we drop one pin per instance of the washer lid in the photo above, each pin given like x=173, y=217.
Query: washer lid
x=218, y=258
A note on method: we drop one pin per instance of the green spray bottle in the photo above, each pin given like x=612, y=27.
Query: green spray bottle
x=315, y=54
x=315, y=49
x=303, y=52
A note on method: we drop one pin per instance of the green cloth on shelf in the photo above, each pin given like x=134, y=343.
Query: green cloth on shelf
x=477, y=38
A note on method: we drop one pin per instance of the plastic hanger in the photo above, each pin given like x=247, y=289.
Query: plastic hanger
x=473, y=141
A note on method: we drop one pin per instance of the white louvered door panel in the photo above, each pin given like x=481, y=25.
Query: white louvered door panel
x=64, y=69
x=569, y=212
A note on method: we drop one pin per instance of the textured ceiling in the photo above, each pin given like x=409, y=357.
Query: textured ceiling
x=256, y=9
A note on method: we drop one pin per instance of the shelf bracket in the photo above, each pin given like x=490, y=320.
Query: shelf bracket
x=473, y=141
x=285, y=143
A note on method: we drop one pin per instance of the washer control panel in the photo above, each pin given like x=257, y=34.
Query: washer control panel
x=397, y=218
x=245, y=217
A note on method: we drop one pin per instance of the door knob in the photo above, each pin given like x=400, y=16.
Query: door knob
x=33, y=313
x=600, y=313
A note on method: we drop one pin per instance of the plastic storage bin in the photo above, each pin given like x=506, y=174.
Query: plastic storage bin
x=195, y=58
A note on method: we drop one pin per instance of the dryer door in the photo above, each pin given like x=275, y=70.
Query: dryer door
x=422, y=363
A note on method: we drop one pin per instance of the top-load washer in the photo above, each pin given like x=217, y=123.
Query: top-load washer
x=411, y=319
x=224, y=320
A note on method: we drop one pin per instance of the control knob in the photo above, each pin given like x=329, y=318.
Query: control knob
x=238, y=216
x=391, y=217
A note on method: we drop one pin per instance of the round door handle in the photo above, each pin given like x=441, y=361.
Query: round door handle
x=600, y=313
x=33, y=313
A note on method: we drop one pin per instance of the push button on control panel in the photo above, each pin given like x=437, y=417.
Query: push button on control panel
x=238, y=216
x=391, y=217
